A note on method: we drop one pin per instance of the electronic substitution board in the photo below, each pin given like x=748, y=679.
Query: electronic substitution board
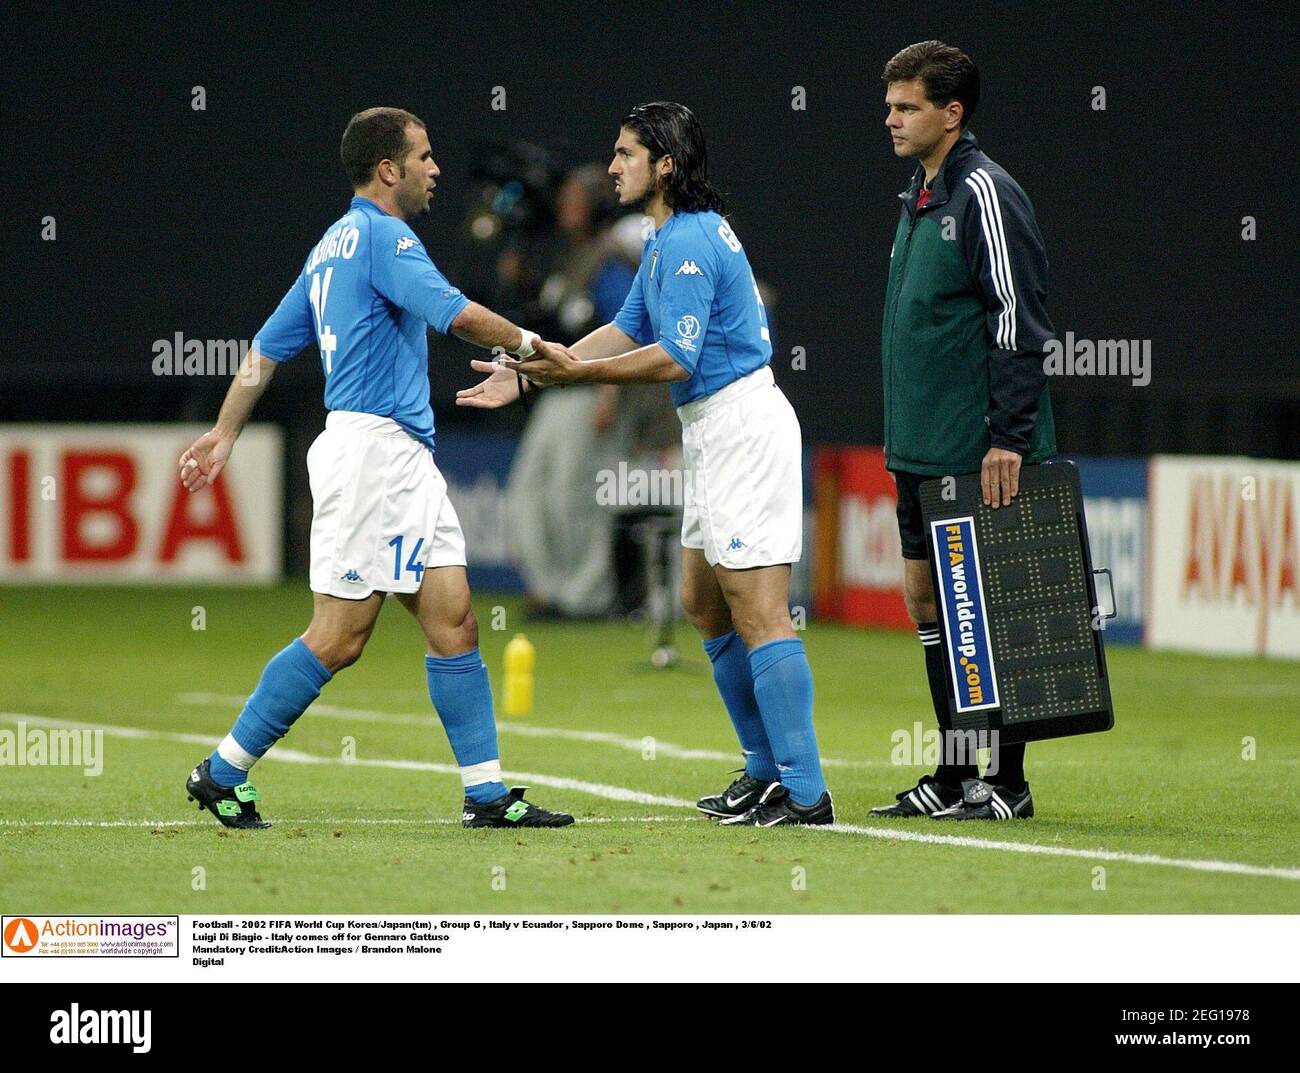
x=1017, y=603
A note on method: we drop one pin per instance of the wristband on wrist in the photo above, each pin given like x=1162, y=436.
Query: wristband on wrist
x=525, y=348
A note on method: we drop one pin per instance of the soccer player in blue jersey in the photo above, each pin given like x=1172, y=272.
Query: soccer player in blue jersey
x=381, y=521
x=694, y=320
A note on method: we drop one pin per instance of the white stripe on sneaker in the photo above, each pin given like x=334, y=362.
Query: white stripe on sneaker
x=1000, y=808
x=936, y=804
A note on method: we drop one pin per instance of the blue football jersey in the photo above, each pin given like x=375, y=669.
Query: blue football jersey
x=695, y=296
x=365, y=296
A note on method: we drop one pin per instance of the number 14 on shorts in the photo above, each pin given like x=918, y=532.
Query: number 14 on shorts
x=411, y=565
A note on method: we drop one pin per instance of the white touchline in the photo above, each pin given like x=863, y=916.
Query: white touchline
x=600, y=737
x=292, y=756
x=661, y=748
x=331, y=711
x=619, y=793
x=1233, y=867
x=526, y=730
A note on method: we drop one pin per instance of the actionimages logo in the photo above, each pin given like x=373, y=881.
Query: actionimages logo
x=21, y=936
x=75, y=1025
x=102, y=936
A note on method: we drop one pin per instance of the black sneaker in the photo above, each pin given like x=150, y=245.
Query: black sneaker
x=775, y=807
x=982, y=801
x=924, y=799
x=736, y=799
x=232, y=805
x=511, y=810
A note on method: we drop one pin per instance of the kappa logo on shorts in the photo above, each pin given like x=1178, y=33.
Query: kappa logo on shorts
x=736, y=544
x=352, y=576
x=404, y=243
x=689, y=268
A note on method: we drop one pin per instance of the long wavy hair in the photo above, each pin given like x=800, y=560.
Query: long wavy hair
x=669, y=129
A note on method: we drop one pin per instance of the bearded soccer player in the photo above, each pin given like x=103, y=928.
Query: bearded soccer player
x=964, y=385
x=381, y=522
x=694, y=320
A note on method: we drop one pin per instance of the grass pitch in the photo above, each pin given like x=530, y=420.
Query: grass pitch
x=1165, y=803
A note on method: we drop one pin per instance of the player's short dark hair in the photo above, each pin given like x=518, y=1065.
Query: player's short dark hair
x=669, y=129
x=374, y=135
x=947, y=74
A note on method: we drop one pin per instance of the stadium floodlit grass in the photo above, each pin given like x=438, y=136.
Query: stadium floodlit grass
x=1169, y=781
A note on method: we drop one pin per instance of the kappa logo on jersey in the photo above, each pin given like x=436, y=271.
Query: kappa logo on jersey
x=689, y=268
x=404, y=243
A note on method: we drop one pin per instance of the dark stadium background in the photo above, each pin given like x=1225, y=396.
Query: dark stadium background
x=175, y=220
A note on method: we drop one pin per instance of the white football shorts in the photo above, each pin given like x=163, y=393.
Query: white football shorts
x=742, y=457
x=380, y=512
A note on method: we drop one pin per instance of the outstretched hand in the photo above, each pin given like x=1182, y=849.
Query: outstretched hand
x=500, y=388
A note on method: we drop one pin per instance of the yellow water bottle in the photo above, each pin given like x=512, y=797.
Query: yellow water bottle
x=520, y=659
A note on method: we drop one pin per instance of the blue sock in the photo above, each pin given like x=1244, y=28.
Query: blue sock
x=292, y=680
x=736, y=684
x=462, y=695
x=783, y=687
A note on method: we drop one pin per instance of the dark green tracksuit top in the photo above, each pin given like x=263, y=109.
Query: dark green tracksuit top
x=966, y=323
